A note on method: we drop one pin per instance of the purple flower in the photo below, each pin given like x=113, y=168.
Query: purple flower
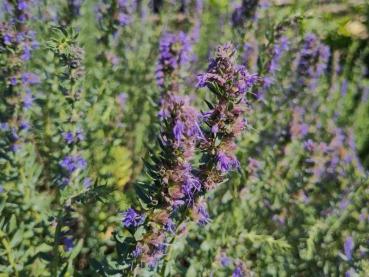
x=170, y=226
x=279, y=49
x=178, y=130
x=191, y=185
x=7, y=39
x=122, y=99
x=312, y=61
x=344, y=204
x=80, y=135
x=215, y=129
x=13, y=81
x=26, y=56
x=225, y=261
x=132, y=219
x=123, y=19
x=174, y=51
x=226, y=163
x=348, y=247
x=248, y=51
x=244, y=12
x=202, y=214
x=27, y=100
x=68, y=137
x=71, y=163
x=87, y=182
x=80, y=162
x=304, y=129
x=68, y=244
x=8, y=8
x=22, y=5
x=137, y=252
x=24, y=125
x=351, y=273
x=324, y=54
x=238, y=272
x=4, y=126
x=30, y=78
x=309, y=145
x=246, y=80
x=344, y=87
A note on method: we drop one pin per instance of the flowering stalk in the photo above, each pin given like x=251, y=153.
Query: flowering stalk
x=246, y=11
x=312, y=62
x=72, y=175
x=173, y=185
x=279, y=49
x=225, y=120
x=177, y=187
x=17, y=41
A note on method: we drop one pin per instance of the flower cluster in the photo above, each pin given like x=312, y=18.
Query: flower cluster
x=71, y=163
x=225, y=121
x=125, y=10
x=174, y=53
x=173, y=177
x=244, y=12
x=312, y=61
x=279, y=49
x=17, y=41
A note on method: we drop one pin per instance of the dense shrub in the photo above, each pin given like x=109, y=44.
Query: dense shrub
x=184, y=138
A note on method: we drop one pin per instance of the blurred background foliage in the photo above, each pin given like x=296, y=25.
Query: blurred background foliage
x=279, y=215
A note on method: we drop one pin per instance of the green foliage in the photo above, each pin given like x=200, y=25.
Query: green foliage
x=287, y=211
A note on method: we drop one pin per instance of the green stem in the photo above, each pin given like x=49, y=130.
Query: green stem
x=56, y=258
x=162, y=272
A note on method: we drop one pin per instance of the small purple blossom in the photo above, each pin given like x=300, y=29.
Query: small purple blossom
x=123, y=19
x=174, y=52
x=4, y=126
x=27, y=100
x=122, y=99
x=225, y=260
x=309, y=145
x=279, y=49
x=68, y=137
x=132, y=219
x=170, y=226
x=29, y=78
x=348, y=247
x=238, y=272
x=80, y=135
x=137, y=252
x=246, y=80
x=24, y=125
x=344, y=87
x=178, y=130
x=71, y=163
x=203, y=217
x=26, y=56
x=22, y=5
x=68, y=244
x=87, y=182
x=248, y=51
x=226, y=163
x=7, y=38
x=344, y=204
x=13, y=81
x=215, y=129
x=350, y=273
x=190, y=186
